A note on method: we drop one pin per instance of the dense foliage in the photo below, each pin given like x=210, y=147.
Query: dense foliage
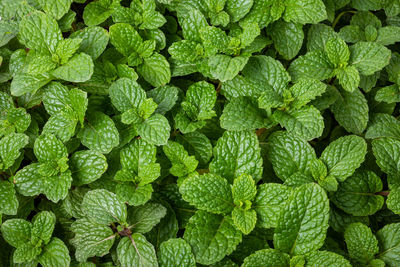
x=187, y=133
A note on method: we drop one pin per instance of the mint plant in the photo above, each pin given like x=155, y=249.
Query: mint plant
x=199, y=133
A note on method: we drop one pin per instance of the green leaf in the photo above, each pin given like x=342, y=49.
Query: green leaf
x=200, y=100
x=362, y=245
x=326, y=259
x=287, y=37
x=65, y=50
x=306, y=90
x=393, y=200
x=197, y=144
x=305, y=11
x=388, y=94
x=134, y=195
x=103, y=207
x=369, y=57
x=155, y=130
x=244, y=220
x=389, y=244
x=318, y=35
x=143, y=218
x=176, y=252
x=243, y=188
x=26, y=253
x=40, y=32
x=98, y=11
x=344, y=155
x=126, y=94
x=211, y=237
x=303, y=223
x=136, y=251
x=28, y=180
x=48, y=148
x=269, y=203
x=78, y=69
x=155, y=70
x=10, y=147
x=266, y=257
x=182, y=163
x=43, y=226
x=17, y=232
x=241, y=114
x=289, y=154
x=8, y=200
x=55, y=254
x=56, y=187
x=56, y=8
x=357, y=196
x=337, y=51
x=388, y=35
x=314, y=64
x=191, y=21
x=386, y=154
x=237, y=153
x=306, y=122
x=94, y=40
x=87, y=166
x=125, y=38
x=99, y=133
x=223, y=67
x=24, y=83
x=349, y=78
x=351, y=111
x=208, y=192
x=91, y=239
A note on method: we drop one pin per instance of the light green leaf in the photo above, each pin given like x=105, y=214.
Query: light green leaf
x=24, y=83
x=303, y=223
x=305, y=11
x=98, y=11
x=326, y=259
x=349, y=78
x=351, y=111
x=99, y=133
x=155, y=70
x=306, y=90
x=362, y=245
x=49, y=148
x=176, y=252
x=155, y=130
x=65, y=50
x=134, y=195
x=103, y=207
x=197, y=144
x=10, y=147
x=369, y=57
x=182, y=163
x=28, y=180
x=269, y=203
x=87, y=166
x=56, y=187
x=143, y=218
x=91, y=239
x=289, y=154
x=344, y=155
x=17, y=232
x=126, y=94
x=237, y=153
x=200, y=100
x=389, y=244
x=208, y=192
x=337, y=51
x=136, y=251
x=388, y=35
x=211, y=236
x=8, y=200
x=26, y=253
x=243, y=188
x=55, y=254
x=191, y=21
x=125, y=38
x=56, y=8
x=43, y=226
x=386, y=152
x=223, y=67
x=287, y=37
x=388, y=94
x=357, y=196
x=78, y=69
x=266, y=257
x=318, y=35
x=241, y=114
x=94, y=40
x=165, y=97
x=315, y=64
x=244, y=220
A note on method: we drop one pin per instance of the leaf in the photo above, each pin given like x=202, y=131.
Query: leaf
x=165, y=97
x=389, y=244
x=208, y=192
x=94, y=40
x=369, y=57
x=305, y=122
x=326, y=259
x=28, y=180
x=125, y=38
x=289, y=154
x=49, y=148
x=40, y=32
x=243, y=188
x=337, y=52
x=244, y=220
x=191, y=21
x=103, y=207
x=344, y=155
x=267, y=258
x=349, y=78
x=24, y=83
x=314, y=64
x=17, y=232
x=388, y=35
x=91, y=239
x=241, y=114
x=8, y=199
x=306, y=90
x=288, y=38
x=26, y=253
x=155, y=130
x=351, y=111
x=305, y=11
x=223, y=67
x=145, y=217
x=361, y=243
x=200, y=99
x=56, y=187
x=269, y=203
x=56, y=8
x=136, y=250
x=386, y=154
x=176, y=252
x=43, y=226
x=155, y=70
x=78, y=69
x=237, y=153
x=98, y=11
x=99, y=133
x=357, y=195
x=197, y=144
x=306, y=211
x=87, y=166
x=134, y=195
x=10, y=147
x=182, y=163
x=211, y=237
x=55, y=254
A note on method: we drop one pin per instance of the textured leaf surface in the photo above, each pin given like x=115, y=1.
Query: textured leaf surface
x=176, y=252
x=136, y=250
x=361, y=243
